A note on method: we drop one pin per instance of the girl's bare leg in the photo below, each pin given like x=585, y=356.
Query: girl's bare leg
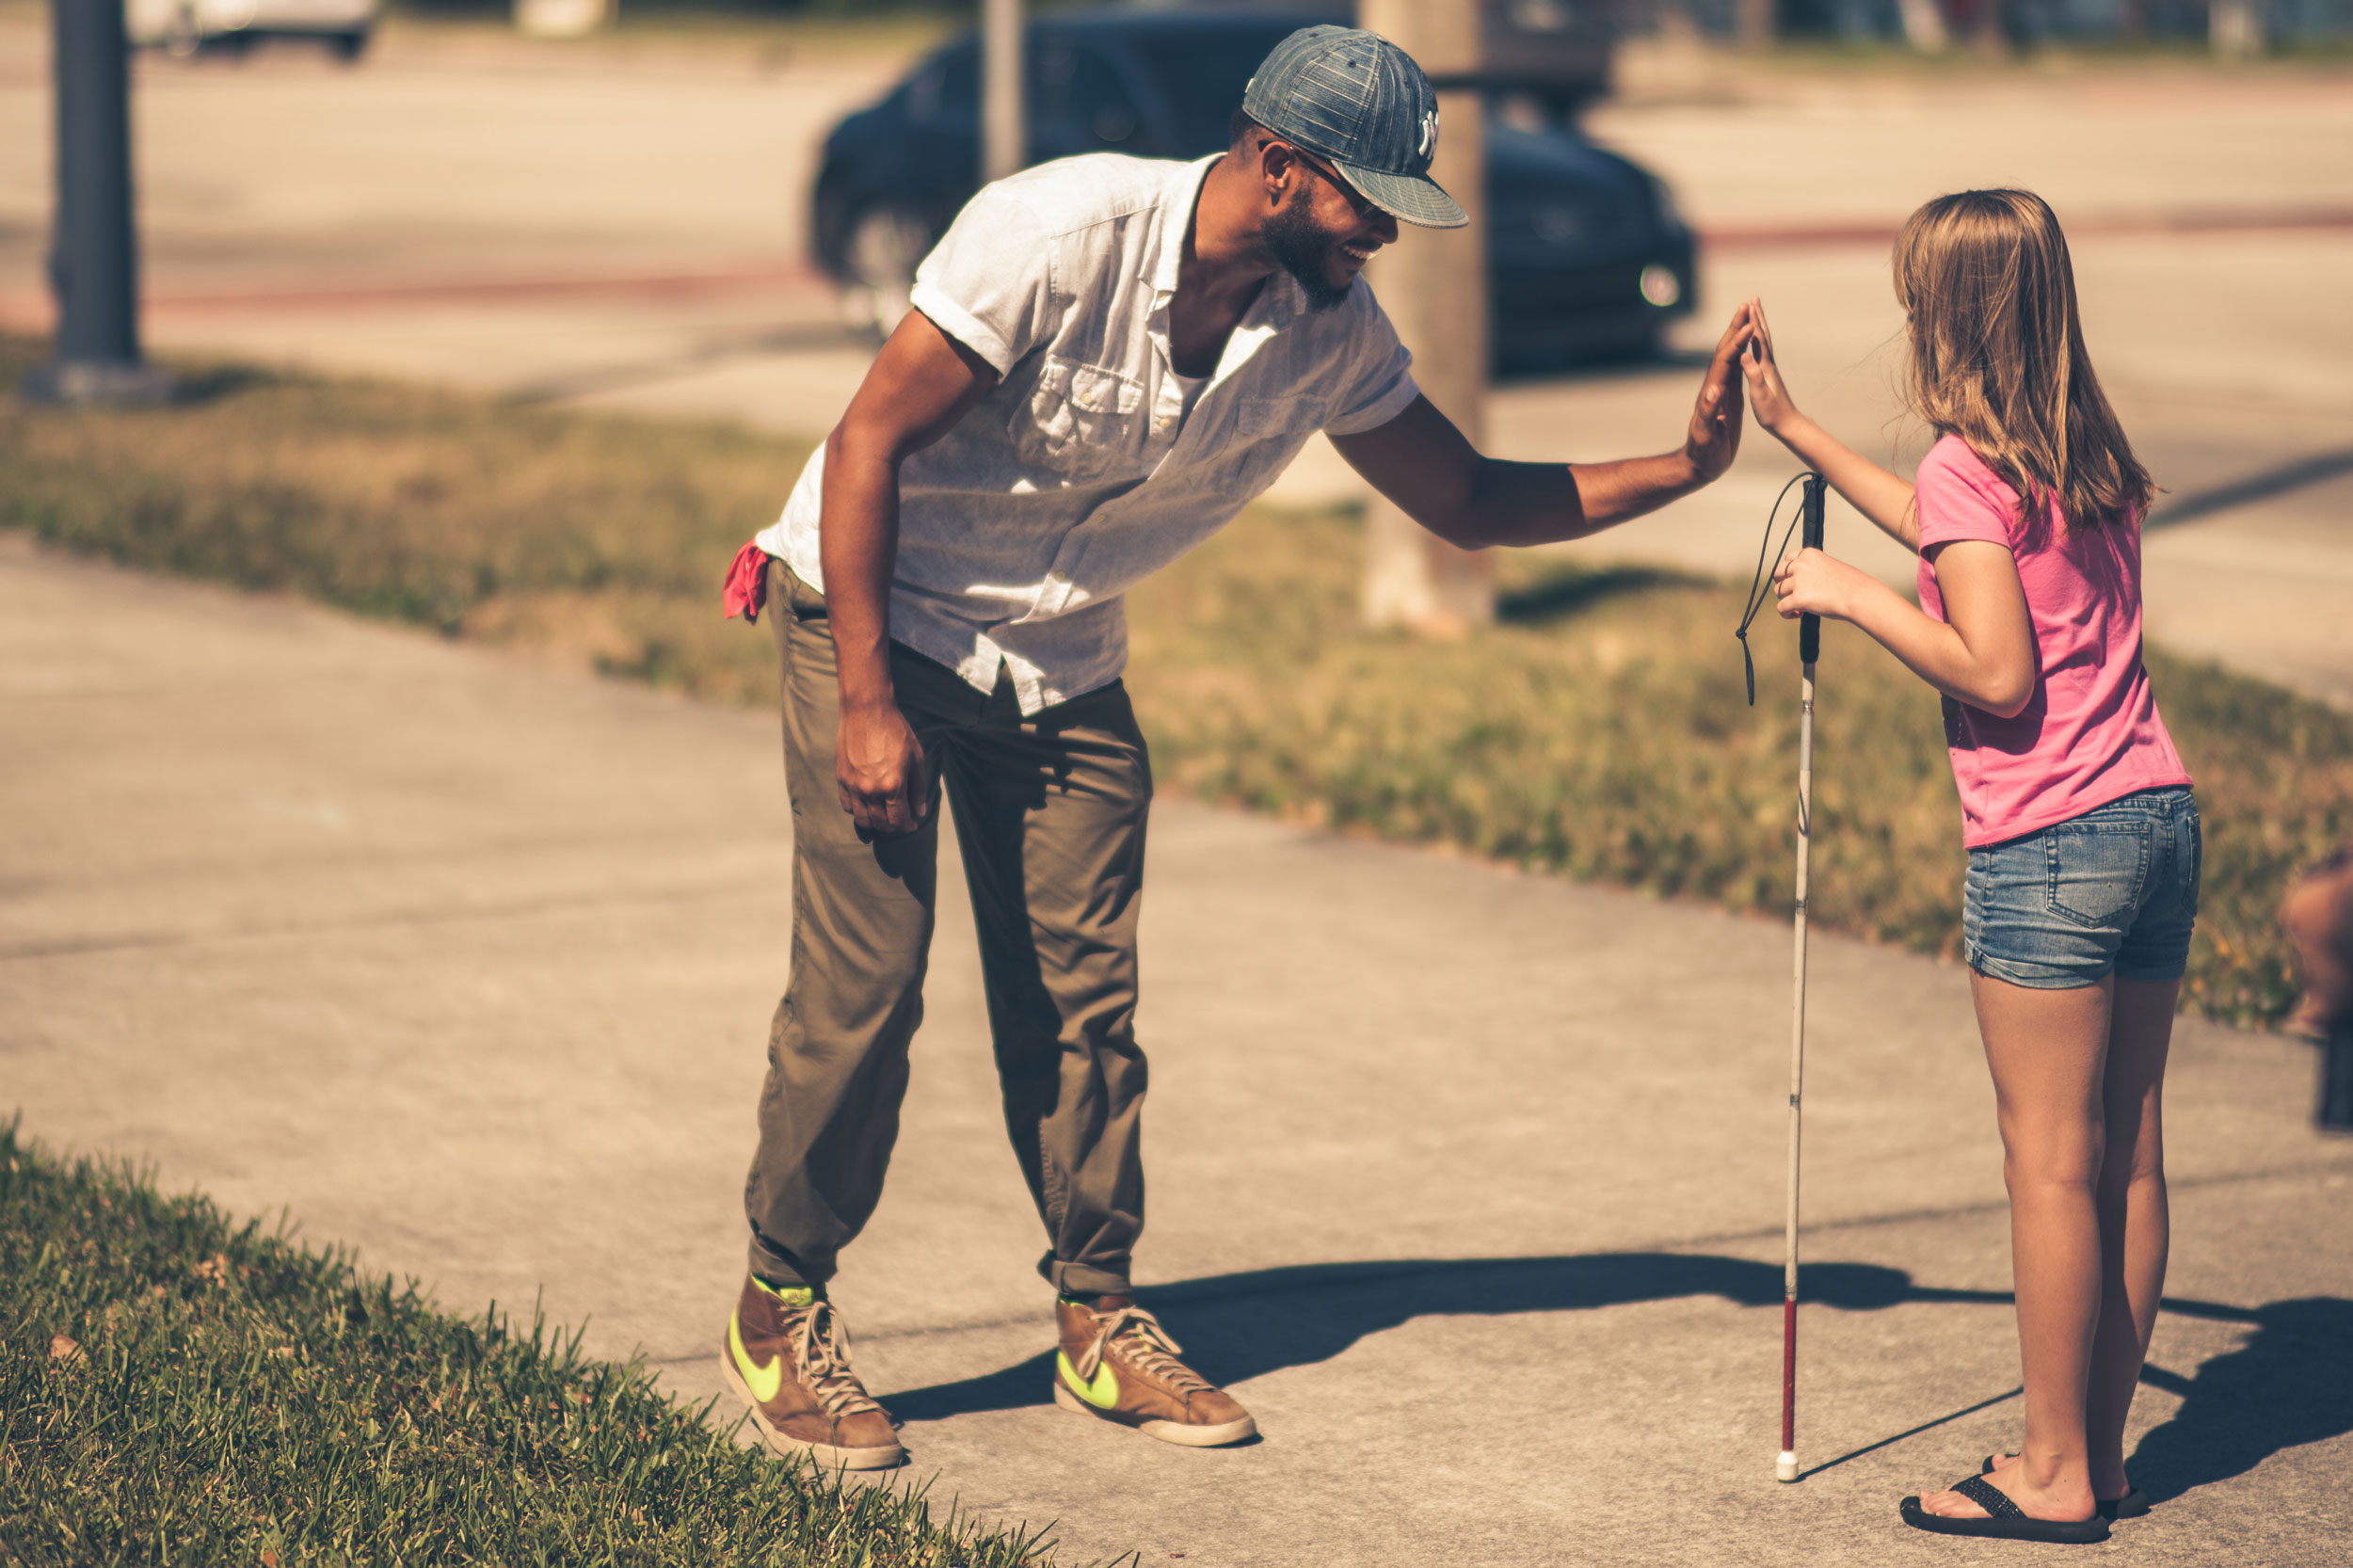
x=2135, y=1224
x=2135, y=1227
x=2048, y=1051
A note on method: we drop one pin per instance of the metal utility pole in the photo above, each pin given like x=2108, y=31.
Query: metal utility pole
x=1924, y=26
x=93, y=254
x=1433, y=284
x=2234, y=28
x=1004, y=142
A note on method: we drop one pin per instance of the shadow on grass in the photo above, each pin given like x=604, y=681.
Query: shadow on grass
x=1569, y=592
x=192, y=386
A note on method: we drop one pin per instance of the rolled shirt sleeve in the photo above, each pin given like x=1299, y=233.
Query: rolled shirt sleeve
x=988, y=283
x=1382, y=385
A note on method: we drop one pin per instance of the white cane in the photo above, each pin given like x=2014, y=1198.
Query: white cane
x=1809, y=650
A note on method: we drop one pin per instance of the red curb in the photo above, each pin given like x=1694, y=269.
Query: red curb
x=1802, y=236
x=794, y=278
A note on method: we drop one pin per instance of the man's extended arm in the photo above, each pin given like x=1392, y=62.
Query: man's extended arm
x=921, y=383
x=1423, y=463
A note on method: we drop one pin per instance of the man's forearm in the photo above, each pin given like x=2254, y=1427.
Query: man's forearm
x=1528, y=503
x=857, y=544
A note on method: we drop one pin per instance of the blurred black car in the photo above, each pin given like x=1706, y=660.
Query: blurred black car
x=1587, y=257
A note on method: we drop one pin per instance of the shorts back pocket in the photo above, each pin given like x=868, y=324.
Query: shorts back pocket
x=2097, y=869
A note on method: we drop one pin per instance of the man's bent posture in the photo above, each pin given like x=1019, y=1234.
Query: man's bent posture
x=1107, y=358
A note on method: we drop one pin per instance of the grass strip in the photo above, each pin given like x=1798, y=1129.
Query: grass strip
x=593, y=539
x=1599, y=731
x=176, y=1389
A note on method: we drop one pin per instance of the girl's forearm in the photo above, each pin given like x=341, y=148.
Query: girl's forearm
x=1883, y=497
x=1935, y=651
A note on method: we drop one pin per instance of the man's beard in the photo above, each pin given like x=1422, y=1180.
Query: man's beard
x=1302, y=248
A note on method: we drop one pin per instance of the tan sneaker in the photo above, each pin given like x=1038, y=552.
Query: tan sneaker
x=788, y=1357
x=1121, y=1366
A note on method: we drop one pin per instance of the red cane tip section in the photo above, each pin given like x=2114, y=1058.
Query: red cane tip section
x=1788, y=1373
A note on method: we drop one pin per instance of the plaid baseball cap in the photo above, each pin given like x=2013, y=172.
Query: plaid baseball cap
x=1359, y=102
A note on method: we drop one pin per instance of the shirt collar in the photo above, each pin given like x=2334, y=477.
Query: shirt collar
x=1184, y=194
x=1279, y=301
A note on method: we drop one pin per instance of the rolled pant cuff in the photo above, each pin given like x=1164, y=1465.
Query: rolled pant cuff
x=784, y=1270
x=1083, y=1279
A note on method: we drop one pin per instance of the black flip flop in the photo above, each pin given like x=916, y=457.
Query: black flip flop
x=2005, y=1520
x=2132, y=1505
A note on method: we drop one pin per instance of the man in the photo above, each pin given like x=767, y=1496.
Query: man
x=1108, y=357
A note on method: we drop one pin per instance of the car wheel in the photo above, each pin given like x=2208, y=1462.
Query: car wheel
x=348, y=47
x=878, y=262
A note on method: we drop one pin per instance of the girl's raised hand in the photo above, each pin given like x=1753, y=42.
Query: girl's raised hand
x=1768, y=399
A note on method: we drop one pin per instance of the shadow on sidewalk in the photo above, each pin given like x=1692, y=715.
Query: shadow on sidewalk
x=1233, y=1333
x=2291, y=1384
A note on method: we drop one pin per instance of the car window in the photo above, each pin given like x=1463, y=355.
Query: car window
x=1079, y=103
x=945, y=90
x=1200, y=74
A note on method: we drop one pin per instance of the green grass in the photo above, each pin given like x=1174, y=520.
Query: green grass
x=176, y=1389
x=1602, y=731
x=1599, y=732
x=594, y=540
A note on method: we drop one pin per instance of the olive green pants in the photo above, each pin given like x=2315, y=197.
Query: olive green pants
x=1050, y=813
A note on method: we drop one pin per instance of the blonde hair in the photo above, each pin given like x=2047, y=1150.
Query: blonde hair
x=1998, y=355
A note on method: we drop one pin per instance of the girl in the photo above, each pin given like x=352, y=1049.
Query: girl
x=2082, y=835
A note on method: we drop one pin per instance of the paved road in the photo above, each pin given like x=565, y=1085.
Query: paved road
x=1468, y=1182
x=620, y=224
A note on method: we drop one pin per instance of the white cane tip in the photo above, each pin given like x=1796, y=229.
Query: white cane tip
x=1786, y=1467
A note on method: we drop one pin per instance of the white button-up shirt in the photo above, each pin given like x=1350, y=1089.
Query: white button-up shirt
x=1081, y=471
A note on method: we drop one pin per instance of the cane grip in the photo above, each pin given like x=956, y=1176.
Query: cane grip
x=1810, y=627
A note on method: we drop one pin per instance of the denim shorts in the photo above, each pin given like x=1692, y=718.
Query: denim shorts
x=2113, y=891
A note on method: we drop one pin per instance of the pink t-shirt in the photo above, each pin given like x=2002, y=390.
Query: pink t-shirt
x=2091, y=733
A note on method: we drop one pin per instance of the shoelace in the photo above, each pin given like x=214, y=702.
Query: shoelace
x=821, y=1348
x=1144, y=1342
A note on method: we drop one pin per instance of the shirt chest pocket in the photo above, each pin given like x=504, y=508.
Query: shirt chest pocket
x=1267, y=433
x=1083, y=420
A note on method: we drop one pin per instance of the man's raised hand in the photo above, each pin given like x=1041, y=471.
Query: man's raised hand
x=1714, y=438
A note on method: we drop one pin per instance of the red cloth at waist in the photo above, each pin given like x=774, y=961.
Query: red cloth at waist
x=747, y=593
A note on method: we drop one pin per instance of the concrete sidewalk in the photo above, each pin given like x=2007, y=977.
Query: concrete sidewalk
x=1468, y=1182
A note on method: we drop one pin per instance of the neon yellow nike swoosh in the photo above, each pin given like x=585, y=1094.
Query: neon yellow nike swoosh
x=1103, y=1393
x=762, y=1380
